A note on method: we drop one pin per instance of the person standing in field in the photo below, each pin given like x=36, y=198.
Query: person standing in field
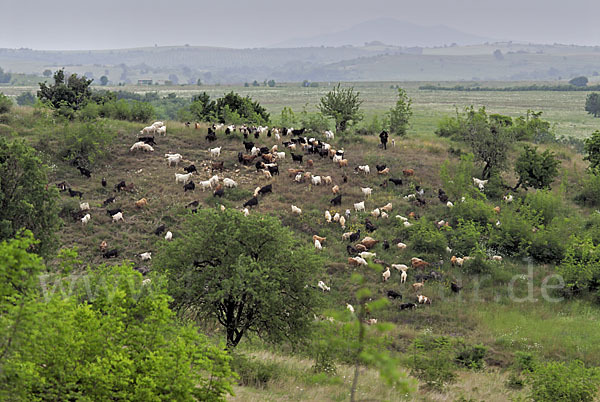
x=384, y=139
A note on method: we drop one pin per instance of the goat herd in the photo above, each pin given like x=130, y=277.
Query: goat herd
x=303, y=152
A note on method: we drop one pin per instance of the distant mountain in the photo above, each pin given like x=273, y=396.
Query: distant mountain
x=389, y=31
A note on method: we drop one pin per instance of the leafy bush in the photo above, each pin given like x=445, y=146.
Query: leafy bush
x=478, y=264
x=252, y=372
x=580, y=268
x=89, y=112
x=568, y=382
x=524, y=361
x=85, y=143
x=548, y=244
x=26, y=99
x=515, y=233
x=431, y=361
x=471, y=357
x=547, y=204
x=5, y=103
x=495, y=188
x=427, y=238
x=458, y=179
x=141, y=112
x=465, y=237
x=473, y=210
x=590, y=190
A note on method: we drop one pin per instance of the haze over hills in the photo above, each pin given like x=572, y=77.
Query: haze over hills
x=390, y=31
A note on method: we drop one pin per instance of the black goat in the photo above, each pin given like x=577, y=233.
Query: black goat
x=297, y=158
x=369, y=226
x=85, y=172
x=351, y=250
x=336, y=200
x=380, y=167
x=355, y=236
x=397, y=182
x=74, y=193
x=108, y=201
x=112, y=212
x=160, y=230
x=248, y=145
x=191, y=186
x=251, y=202
x=190, y=169
x=219, y=192
x=103, y=182
x=274, y=170
x=455, y=287
x=121, y=185
x=111, y=253
x=193, y=204
x=408, y=306
x=266, y=189
x=392, y=294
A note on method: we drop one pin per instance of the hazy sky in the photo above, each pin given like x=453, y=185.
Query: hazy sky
x=81, y=24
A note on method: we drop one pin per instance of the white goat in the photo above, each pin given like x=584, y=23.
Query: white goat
x=117, y=217
x=366, y=191
x=169, y=235
x=359, y=206
x=323, y=287
x=296, y=210
x=84, y=206
x=215, y=152
x=146, y=256
x=229, y=183
x=86, y=219
x=183, y=178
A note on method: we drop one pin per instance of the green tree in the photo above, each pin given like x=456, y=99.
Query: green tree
x=592, y=148
x=249, y=111
x=25, y=202
x=47, y=73
x=287, y=117
x=5, y=103
x=112, y=337
x=537, y=170
x=271, y=83
x=104, y=80
x=72, y=93
x=202, y=108
x=199, y=82
x=342, y=105
x=247, y=273
x=255, y=83
x=592, y=104
x=400, y=114
x=4, y=77
x=26, y=99
x=564, y=382
x=579, y=81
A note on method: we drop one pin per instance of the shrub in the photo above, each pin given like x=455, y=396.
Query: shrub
x=471, y=357
x=5, y=103
x=546, y=204
x=432, y=361
x=590, y=190
x=458, y=179
x=495, y=188
x=26, y=99
x=85, y=142
x=473, y=210
x=558, y=381
x=524, y=361
x=141, y=111
x=478, y=264
x=426, y=238
x=253, y=372
x=89, y=112
x=515, y=233
x=465, y=237
x=580, y=268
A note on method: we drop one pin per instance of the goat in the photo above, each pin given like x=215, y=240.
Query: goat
x=397, y=182
x=110, y=253
x=392, y=294
x=316, y=180
x=190, y=169
x=85, y=172
x=159, y=230
x=86, y=219
x=359, y=206
x=168, y=236
x=366, y=191
x=266, y=189
x=321, y=285
x=328, y=216
x=141, y=203
x=296, y=210
x=84, y=206
x=182, y=178
x=408, y=172
x=364, y=168
x=480, y=183
x=251, y=202
x=229, y=183
x=417, y=286
x=318, y=245
x=408, y=306
x=117, y=217
x=146, y=256
x=336, y=200
x=191, y=186
x=73, y=193
x=215, y=152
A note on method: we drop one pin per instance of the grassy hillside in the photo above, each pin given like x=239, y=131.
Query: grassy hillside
x=485, y=312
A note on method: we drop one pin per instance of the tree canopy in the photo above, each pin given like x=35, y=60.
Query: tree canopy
x=592, y=104
x=112, y=338
x=247, y=273
x=231, y=108
x=579, y=81
x=592, y=148
x=25, y=202
x=537, y=170
x=72, y=92
x=400, y=114
x=342, y=105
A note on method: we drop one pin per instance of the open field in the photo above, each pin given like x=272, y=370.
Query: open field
x=563, y=109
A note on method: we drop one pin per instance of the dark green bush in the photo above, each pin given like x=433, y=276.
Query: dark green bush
x=477, y=211
x=253, y=372
x=471, y=357
x=568, y=382
x=431, y=361
x=465, y=238
x=589, y=195
x=426, y=238
x=514, y=235
x=5, y=103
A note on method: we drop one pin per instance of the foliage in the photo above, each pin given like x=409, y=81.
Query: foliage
x=581, y=81
x=250, y=111
x=26, y=99
x=342, y=105
x=471, y=356
x=400, y=115
x=479, y=263
x=431, y=361
x=426, y=238
x=5, y=103
x=514, y=235
x=253, y=372
x=465, y=237
x=548, y=205
x=114, y=338
x=202, y=108
x=71, y=93
x=474, y=210
x=104, y=80
x=314, y=122
x=536, y=170
x=24, y=200
x=592, y=104
x=255, y=278
x=531, y=127
x=592, y=148
x=287, y=117
x=568, y=382
x=84, y=144
x=271, y=83
x=458, y=180
x=489, y=138
x=589, y=194
x=548, y=244
x=580, y=268
x=4, y=77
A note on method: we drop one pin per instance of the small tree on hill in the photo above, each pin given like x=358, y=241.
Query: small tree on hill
x=247, y=273
x=72, y=92
x=579, y=81
x=592, y=104
x=5, y=103
x=25, y=202
x=47, y=73
x=343, y=105
x=103, y=80
x=536, y=170
x=592, y=147
x=400, y=115
x=4, y=77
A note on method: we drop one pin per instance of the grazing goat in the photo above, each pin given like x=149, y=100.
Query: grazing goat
x=366, y=191
x=328, y=216
x=117, y=217
x=397, y=182
x=73, y=193
x=160, y=230
x=190, y=169
x=85, y=172
x=86, y=219
x=229, y=183
x=364, y=168
x=508, y=198
x=387, y=207
x=173, y=159
x=392, y=294
x=480, y=183
x=168, y=235
x=418, y=286
x=418, y=263
x=84, y=206
x=215, y=152
x=316, y=180
x=359, y=206
x=343, y=222
x=336, y=200
x=318, y=245
x=350, y=308
x=191, y=186
x=401, y=246
x=182, y=178
x=321, y=285
x=141, y=203
x=408, y=172
x=146, y=256
x=408, y=306
x=141, y=145
x=296, y=210
x=423, y=299
x=111, y=253
x=246, y=212
x=251, y=202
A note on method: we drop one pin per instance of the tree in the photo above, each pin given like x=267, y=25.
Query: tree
x=343, y=105
x=401, y=114
x=4, y=77
x=249, y=274
x=25, y=202
x=536, y=170
x=271, y=83
x=111, y=337
x=202, y=108
x=592, y=104
x=199, y=82
x=26, y=99
x=72, y=93
x=498, y=55
x=579, y=81
x=174, y=79
x=255, y=83
x=592, y=147
x=47, y=73
x=5, y=103
x=103, y=80
x=248, y=110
